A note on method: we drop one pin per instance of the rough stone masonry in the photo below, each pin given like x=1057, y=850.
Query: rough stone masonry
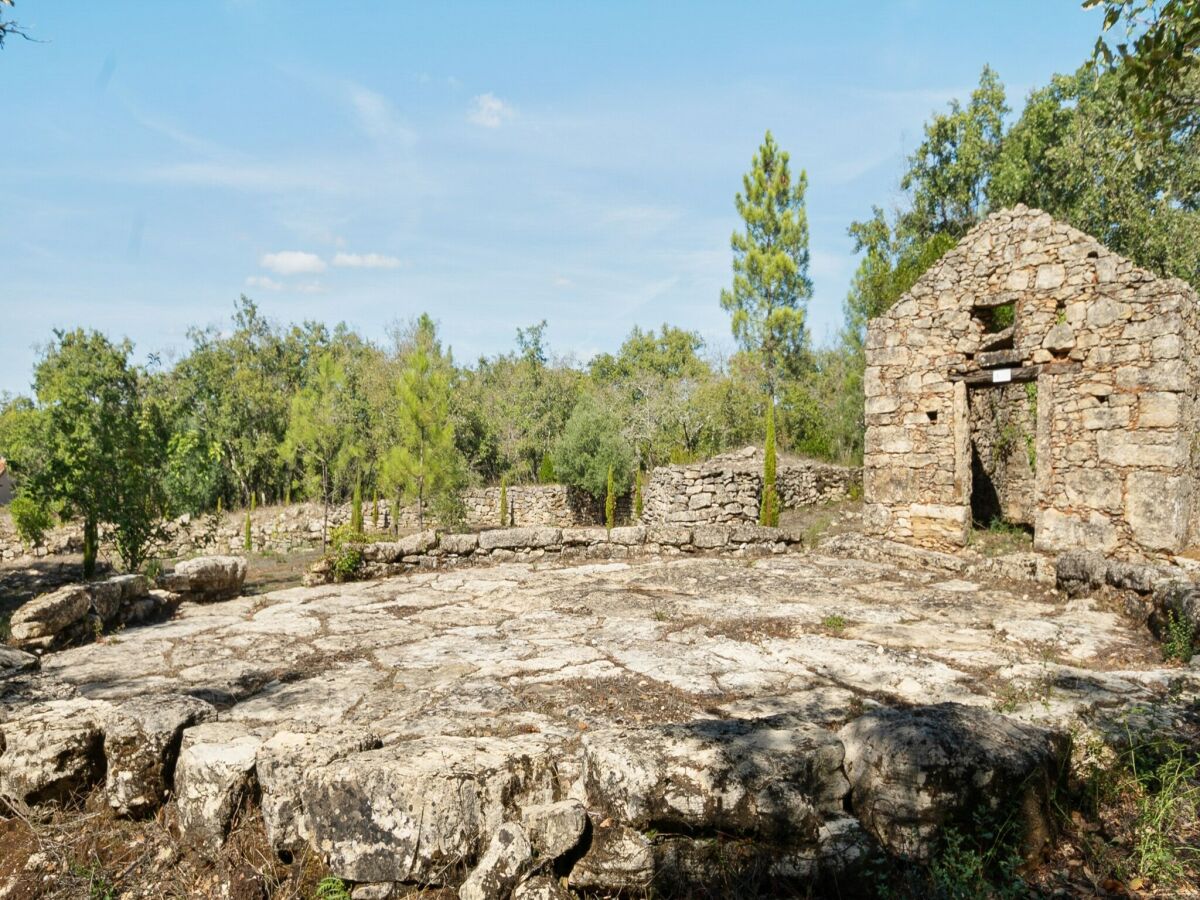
x=1034, y=376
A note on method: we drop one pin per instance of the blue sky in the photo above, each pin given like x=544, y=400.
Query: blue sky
x=493, y=164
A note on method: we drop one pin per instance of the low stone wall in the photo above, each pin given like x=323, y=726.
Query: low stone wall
x=726, y=489
x=432, y=550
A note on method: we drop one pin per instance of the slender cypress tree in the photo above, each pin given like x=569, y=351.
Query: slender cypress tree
x=503, y=500
x=356, y=514
x=610, y=502
x=248, y=536
x=769, y=510
x=375, y=508
x=637, y=496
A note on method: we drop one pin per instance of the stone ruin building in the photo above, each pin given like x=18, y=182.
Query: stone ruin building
x=1034, y=377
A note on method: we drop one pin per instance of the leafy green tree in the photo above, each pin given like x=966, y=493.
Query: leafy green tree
x=768, y=513
x=654, y=383
x=771, y=287
x=1158, y=62
x=948, y=174
x=317, y=430
x=1077, y=153
x=590, y=448
x=425, y=466
x=102, y=448
x=546, y=470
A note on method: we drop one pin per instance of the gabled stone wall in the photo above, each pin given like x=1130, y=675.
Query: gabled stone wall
x=1112, y=350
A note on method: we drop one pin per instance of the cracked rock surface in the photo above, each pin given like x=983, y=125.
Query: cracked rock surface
x=397, y=726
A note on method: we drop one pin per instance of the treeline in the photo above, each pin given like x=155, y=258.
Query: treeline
x=262, y=412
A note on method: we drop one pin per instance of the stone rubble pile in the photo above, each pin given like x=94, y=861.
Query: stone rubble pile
x=80, y=612
x=727, y=489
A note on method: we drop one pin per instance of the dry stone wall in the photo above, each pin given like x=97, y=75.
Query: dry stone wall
x=727, y=489
x=1112, y=350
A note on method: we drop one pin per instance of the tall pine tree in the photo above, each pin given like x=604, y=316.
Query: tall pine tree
x=770, y=263
x=424, y=466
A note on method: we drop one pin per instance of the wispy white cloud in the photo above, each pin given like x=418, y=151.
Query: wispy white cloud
x=366, y=261
x=376, y=116
x=311, y=287
x=292, y=262
x=276, y=177
x=489, y=111
x=264, y=282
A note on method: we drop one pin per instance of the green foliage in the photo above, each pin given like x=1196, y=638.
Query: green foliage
x=504, y=517
x=319, y=427
x=346, y=556
x=768, y=513
x=1179, y=637
x=610, y=502
x=101, y=444
x=375, y=508
x=31, y=519
x=424, y=465
x=834, y=622
x=592, y=449
x=248, y=534
x=771, y=286
x=637, y=496
x=1158, y=61
x=1076, y=153
x=546, y=470
x=332, y=888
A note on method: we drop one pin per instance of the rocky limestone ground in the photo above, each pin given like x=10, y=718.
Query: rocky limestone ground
x=637, y=726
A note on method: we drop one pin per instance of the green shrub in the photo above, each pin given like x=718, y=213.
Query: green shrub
x=591, y=451
x=331, y=888
x=546, y=470
x=248, y=536
x=503, y=501
x=375, y=509
x=1179, y=638
x=637, y=496
x=32, y=519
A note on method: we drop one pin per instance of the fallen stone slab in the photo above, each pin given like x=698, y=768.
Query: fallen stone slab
x=775, y=777
x=507, y=858
x=519, y=538
x=110, y=595
x=555, y=829
x=207, y=578
x=914, y=772
x=280, y=765
x=417, y=811
x=50, y=614
x=458, y=544
x=52, y=751
x=214, y=772
x=141, y=743
x=618, y=859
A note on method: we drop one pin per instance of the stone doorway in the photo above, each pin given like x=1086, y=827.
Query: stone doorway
x=1003, y=453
